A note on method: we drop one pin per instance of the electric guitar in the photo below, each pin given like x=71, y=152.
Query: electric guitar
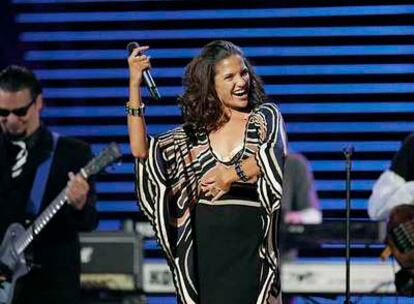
x=400, y=240
x=12, y=260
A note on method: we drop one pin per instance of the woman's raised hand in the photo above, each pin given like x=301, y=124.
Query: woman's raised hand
x=138, y=62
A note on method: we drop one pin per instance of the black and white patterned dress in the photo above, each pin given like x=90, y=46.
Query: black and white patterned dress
x=224, y=251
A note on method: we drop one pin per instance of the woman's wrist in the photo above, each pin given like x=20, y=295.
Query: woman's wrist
x=134, y=104
x=240, y=172
x=231, y=175
x=134, y=109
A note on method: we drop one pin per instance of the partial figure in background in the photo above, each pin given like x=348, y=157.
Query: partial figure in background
x=395, y=186
x=392, y=199
x=300, y=203
x=212, y=187
x=26, y=144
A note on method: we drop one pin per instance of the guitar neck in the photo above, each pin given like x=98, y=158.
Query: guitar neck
x=26, y=238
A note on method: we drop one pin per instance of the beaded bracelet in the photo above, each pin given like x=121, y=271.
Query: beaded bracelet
x=138, y=112
x=240, y=172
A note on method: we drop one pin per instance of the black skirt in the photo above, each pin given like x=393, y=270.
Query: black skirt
x=228, y=234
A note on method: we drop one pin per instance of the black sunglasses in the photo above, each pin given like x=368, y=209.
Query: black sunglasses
x=19, y=111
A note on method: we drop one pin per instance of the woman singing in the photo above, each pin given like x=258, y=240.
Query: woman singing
x=212, y=187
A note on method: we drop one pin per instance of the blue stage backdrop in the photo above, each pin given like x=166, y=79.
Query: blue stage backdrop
x=342, y=74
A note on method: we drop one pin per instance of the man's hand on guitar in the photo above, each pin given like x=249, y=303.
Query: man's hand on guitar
x=5, y=273
x=77, y=191
x=2, y=280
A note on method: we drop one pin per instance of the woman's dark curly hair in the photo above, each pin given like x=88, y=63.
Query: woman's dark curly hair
x=200, y=105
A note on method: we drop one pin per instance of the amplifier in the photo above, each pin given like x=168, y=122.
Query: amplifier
x=111, y=260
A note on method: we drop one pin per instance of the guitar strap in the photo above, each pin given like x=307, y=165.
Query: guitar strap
x=39, y=184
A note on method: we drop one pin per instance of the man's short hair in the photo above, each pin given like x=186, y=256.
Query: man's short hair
x=16, y=78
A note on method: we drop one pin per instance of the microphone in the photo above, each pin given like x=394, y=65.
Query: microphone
x=348, y=150
x=147, y=76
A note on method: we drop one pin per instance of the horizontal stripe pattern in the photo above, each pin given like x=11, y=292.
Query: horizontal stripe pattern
x=321, y=185
x=223, y=33
x=273, y=70
x=273, y=89
x=215, y=14
x=270, y=51
x=294, y=127
x=316, y=165
x=291, y=108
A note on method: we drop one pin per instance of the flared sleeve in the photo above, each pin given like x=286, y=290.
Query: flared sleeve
x=271, y=154
x=165, y=198
x=150, y=177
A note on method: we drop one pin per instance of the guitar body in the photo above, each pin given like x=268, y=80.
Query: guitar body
x=400, y=234
x=11, y=260
x=400, y=239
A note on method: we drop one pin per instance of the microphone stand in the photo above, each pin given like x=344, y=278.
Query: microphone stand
x=348, y=166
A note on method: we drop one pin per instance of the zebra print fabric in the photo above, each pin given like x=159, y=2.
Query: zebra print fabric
x=167, y=187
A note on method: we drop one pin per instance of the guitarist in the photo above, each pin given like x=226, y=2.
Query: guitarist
x=26, y=143
x=392, y=199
